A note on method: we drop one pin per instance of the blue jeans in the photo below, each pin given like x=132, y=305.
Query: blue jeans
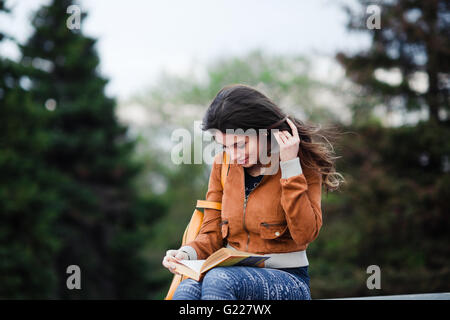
x=247, y=283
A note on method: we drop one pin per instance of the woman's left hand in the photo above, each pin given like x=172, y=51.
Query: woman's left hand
x=289, y=144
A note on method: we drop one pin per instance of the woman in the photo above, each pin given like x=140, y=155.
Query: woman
x=271, y=202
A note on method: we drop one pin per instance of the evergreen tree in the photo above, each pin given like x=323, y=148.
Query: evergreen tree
x=398, y=177
x=29, y=199
x=414, y=37
x=101, y=223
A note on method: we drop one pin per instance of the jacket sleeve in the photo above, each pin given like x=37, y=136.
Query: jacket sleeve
x=209, y=238
x=301, y=201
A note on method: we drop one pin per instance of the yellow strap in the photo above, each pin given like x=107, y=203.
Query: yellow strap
x=193, y=228
x=209, y=204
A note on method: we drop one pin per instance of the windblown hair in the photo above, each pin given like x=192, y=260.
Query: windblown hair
x=239, y=106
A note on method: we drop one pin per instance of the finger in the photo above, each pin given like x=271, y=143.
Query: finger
x=293, y=127
x=172, y=268
x=287, y=134
x=167, y=260
x=172, y=259
x=282, y=137
x=165, y=263
x=171, y=253
x=289, y=138
x=277, y=137
x=181, y=255
x=169, y=266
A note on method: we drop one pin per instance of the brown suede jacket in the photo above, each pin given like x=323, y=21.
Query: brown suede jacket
x=282, y=214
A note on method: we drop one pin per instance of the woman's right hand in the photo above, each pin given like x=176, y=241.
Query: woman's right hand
x=171, y=257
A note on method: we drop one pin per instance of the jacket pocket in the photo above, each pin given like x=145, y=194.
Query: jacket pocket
x=225, y=227
x=272, y=230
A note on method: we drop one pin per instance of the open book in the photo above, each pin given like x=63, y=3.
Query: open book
x=223, y=257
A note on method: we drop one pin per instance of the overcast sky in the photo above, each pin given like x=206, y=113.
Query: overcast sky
x=139, y=38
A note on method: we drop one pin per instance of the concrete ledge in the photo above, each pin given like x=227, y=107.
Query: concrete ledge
x=419, y=296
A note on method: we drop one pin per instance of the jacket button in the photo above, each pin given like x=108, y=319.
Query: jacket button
x=277, y=233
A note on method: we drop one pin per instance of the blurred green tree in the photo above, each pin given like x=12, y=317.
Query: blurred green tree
x=407, y=66
x=104, y=221
x=392, y=213
x=29, y=199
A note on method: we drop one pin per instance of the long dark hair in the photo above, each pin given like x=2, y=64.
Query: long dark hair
x=238, y=106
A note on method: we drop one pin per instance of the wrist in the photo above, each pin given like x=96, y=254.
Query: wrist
x=290, y=168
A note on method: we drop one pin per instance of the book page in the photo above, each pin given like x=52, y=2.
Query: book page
x=195, y=265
